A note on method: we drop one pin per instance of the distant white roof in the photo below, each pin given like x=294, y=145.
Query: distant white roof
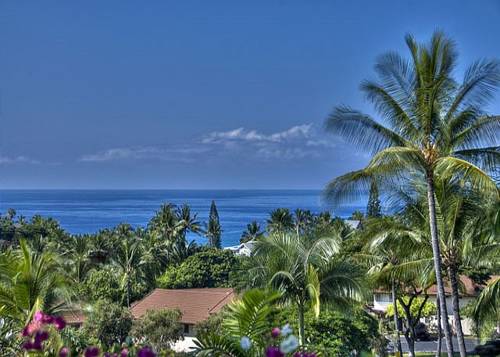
x=243, y=248
x=353, y=223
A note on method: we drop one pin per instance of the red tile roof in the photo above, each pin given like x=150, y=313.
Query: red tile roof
x=196, y=305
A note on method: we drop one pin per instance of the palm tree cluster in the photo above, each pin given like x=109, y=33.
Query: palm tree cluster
x=434, y=133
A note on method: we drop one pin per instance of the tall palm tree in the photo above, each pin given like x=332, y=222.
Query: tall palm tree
x=434, y=126
x=280, y=220
x=306, y=271
x=30, y=282
x=76, y=258
x=302, y=221
x=129, y=259
x=252, y=232
x=467, y=236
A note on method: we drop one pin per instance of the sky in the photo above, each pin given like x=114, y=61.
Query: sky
x=201, y=94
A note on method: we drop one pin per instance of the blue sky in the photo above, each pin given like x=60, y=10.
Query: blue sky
x=200, y=94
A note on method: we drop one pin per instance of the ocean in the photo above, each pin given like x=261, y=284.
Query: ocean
x=87, y=211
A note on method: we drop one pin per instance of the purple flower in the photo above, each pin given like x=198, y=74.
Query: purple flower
x=41, y=336
x=64, y=352
x=47, y=319
x=146, y=352
x=273, y=351
x=59, y=323
x=32, y=345
x=275, y=332
x=124, y=353
x=91, y=352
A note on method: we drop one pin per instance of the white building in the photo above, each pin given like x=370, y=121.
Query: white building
x=382, y=299
x=243, y=248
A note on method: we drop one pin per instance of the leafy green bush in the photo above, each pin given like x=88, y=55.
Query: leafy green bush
x=338, y=335
x=211, y=325
x=207, y=269
x=158, y=329
x=429, y=308
x=102, y=284
x=108, y=322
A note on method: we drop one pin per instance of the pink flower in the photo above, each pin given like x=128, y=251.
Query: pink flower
x=124, y=353
x=64, y=352
x=59, y=323
x=275, y=332
x=38, y=316
x=31, y=328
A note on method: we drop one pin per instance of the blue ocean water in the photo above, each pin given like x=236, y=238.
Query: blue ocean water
x=87, y=211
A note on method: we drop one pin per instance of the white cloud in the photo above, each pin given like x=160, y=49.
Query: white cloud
x=146, y=153
x=242, y=134
x=7, y=160
x=297, y=142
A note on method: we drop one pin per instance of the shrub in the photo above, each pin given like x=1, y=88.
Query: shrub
x=108, y=322
x=338, y=334
x=207, y=269
x=158, y=329
x=102, y=284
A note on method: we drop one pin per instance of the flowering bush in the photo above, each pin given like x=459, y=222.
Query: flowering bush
x=283, y=343
x=42, y=338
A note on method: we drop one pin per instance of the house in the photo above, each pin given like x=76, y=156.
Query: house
x=244, y=249
x=196, y=305
x=382, y=299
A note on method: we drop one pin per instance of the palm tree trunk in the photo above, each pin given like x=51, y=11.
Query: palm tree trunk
x=396, y=319
x=452, y=275
x=437, y=263
x=439, y=329
x=301, y=323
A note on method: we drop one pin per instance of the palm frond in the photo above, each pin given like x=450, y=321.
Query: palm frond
x=361, y=130
x=455, y=168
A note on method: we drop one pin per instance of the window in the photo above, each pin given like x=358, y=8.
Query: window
x=186, y=328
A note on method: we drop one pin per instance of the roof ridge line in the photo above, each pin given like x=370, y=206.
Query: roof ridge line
x=230, y=292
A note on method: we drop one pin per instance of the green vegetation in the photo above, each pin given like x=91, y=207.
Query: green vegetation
x=209, y=268
x=434, y=165
x=158, y=329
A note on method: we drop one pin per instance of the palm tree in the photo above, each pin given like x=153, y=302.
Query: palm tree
x=306, y=270
x=189, y=221
x=166, y=224
x=302, y=221
x=253, y=232
x=128, y=258
x=247, y=317
x=466, y=243
x=487, y=305
x=76, y=257
x=280, y=220
x=30, y=282
x=467, y=236
x=435, y=127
